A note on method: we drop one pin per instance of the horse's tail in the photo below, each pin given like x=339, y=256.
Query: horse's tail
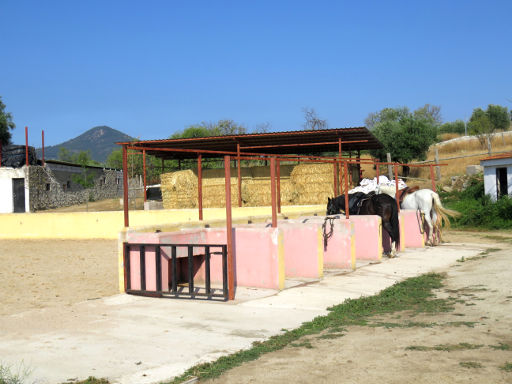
x=442, y=212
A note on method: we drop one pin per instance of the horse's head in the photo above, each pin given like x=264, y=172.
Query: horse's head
x=332, y=207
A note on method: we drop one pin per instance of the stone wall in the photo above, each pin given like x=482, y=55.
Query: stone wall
x=47, y=191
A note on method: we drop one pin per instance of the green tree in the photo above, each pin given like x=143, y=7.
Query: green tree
x=405, y=135
x=457, y=126
x=494, y=119
x=6, y=125
x=484, y=124
x=82, y=157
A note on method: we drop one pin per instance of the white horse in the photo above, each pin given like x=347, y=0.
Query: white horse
x=428, y=203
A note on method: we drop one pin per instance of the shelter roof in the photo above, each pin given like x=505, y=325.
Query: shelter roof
x=506, y=155
x=289, y=142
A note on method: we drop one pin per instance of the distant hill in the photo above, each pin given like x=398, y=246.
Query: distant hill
x=99, y=141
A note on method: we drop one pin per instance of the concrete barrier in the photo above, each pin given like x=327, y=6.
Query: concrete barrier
x=258, y=256
x=340, y=247
x=368, y=236
x=410, y=234
x=303, y=249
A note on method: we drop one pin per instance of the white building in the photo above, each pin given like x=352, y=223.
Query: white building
x=497, y=175
x=14, y=196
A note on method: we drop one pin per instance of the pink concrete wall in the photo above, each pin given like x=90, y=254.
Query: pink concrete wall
x=258, y=256
x=340, y=250
x=368, y=236
x=303, y=250
x=410, y=234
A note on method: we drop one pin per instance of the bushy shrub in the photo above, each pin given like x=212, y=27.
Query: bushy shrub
x=478, y=210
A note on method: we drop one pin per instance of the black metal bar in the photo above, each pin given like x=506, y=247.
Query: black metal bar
x=191, y=270
x=158, y=266
x=225, y=271
x=207, y=270
x=127, y=266
x=142, y=252
x=174, y=284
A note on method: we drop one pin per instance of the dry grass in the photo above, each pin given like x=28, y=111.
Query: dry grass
x=463, y=147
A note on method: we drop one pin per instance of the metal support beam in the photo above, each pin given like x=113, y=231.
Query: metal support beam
x=396, y=187
x=26, y=146
x=344, y=164
x=345, y=170
x=144, y=173
x=125, y=187
x=229, y=228
x=42, y=147
x=200, y=185
x=273, y=190
x=239, y=175
x=278, y=171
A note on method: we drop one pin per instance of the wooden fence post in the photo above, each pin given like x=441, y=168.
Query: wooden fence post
x=438, y=168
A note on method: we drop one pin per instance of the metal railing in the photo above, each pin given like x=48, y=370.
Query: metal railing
x=175, y=288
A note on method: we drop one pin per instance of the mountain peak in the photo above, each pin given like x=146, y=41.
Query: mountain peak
x=100, y=141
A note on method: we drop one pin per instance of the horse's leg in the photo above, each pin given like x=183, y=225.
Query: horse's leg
x=430, y=237
x=389, y=229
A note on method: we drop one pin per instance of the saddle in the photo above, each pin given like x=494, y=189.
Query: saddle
x=356, y=200
x=404, y=192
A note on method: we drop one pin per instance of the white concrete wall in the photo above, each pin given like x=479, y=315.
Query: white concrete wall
x=6, y=176
x=490, y=175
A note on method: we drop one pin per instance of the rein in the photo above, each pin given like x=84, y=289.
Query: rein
x=328, y=235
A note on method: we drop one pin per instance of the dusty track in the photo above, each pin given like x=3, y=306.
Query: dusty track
x=381, y=354
x=48, y=273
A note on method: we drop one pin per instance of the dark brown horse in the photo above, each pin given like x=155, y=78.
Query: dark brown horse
x=370, y=204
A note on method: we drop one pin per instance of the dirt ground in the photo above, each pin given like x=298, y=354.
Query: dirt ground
x=42, y=273
x=399, y=351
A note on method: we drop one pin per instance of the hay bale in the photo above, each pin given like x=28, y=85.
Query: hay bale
x=313, y=183
x=179, y=189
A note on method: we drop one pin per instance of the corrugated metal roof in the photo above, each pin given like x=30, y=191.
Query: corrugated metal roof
x=287, y=142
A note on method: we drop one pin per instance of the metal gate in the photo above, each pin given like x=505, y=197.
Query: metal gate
x=18, y=195
x=174, y=257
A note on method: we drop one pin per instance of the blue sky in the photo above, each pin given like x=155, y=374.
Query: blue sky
x=150, y=68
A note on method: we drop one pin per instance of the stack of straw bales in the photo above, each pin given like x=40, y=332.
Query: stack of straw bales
x=313, y=183
x=300, y=184
x=214, y=188
x=179, y=189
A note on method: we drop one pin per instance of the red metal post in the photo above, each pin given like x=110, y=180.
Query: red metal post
x=42, y=142
x=278, y=169
x=335, y=171
x=229, y=228
x=239, y=174
x=339, y=157
x=144, y=173
x=125, y=187
x=359, y=165
x=432, y=177
x=26, y=146
x=396, y=187
x=200, y=185
x=273, y=190
x=345, y=170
